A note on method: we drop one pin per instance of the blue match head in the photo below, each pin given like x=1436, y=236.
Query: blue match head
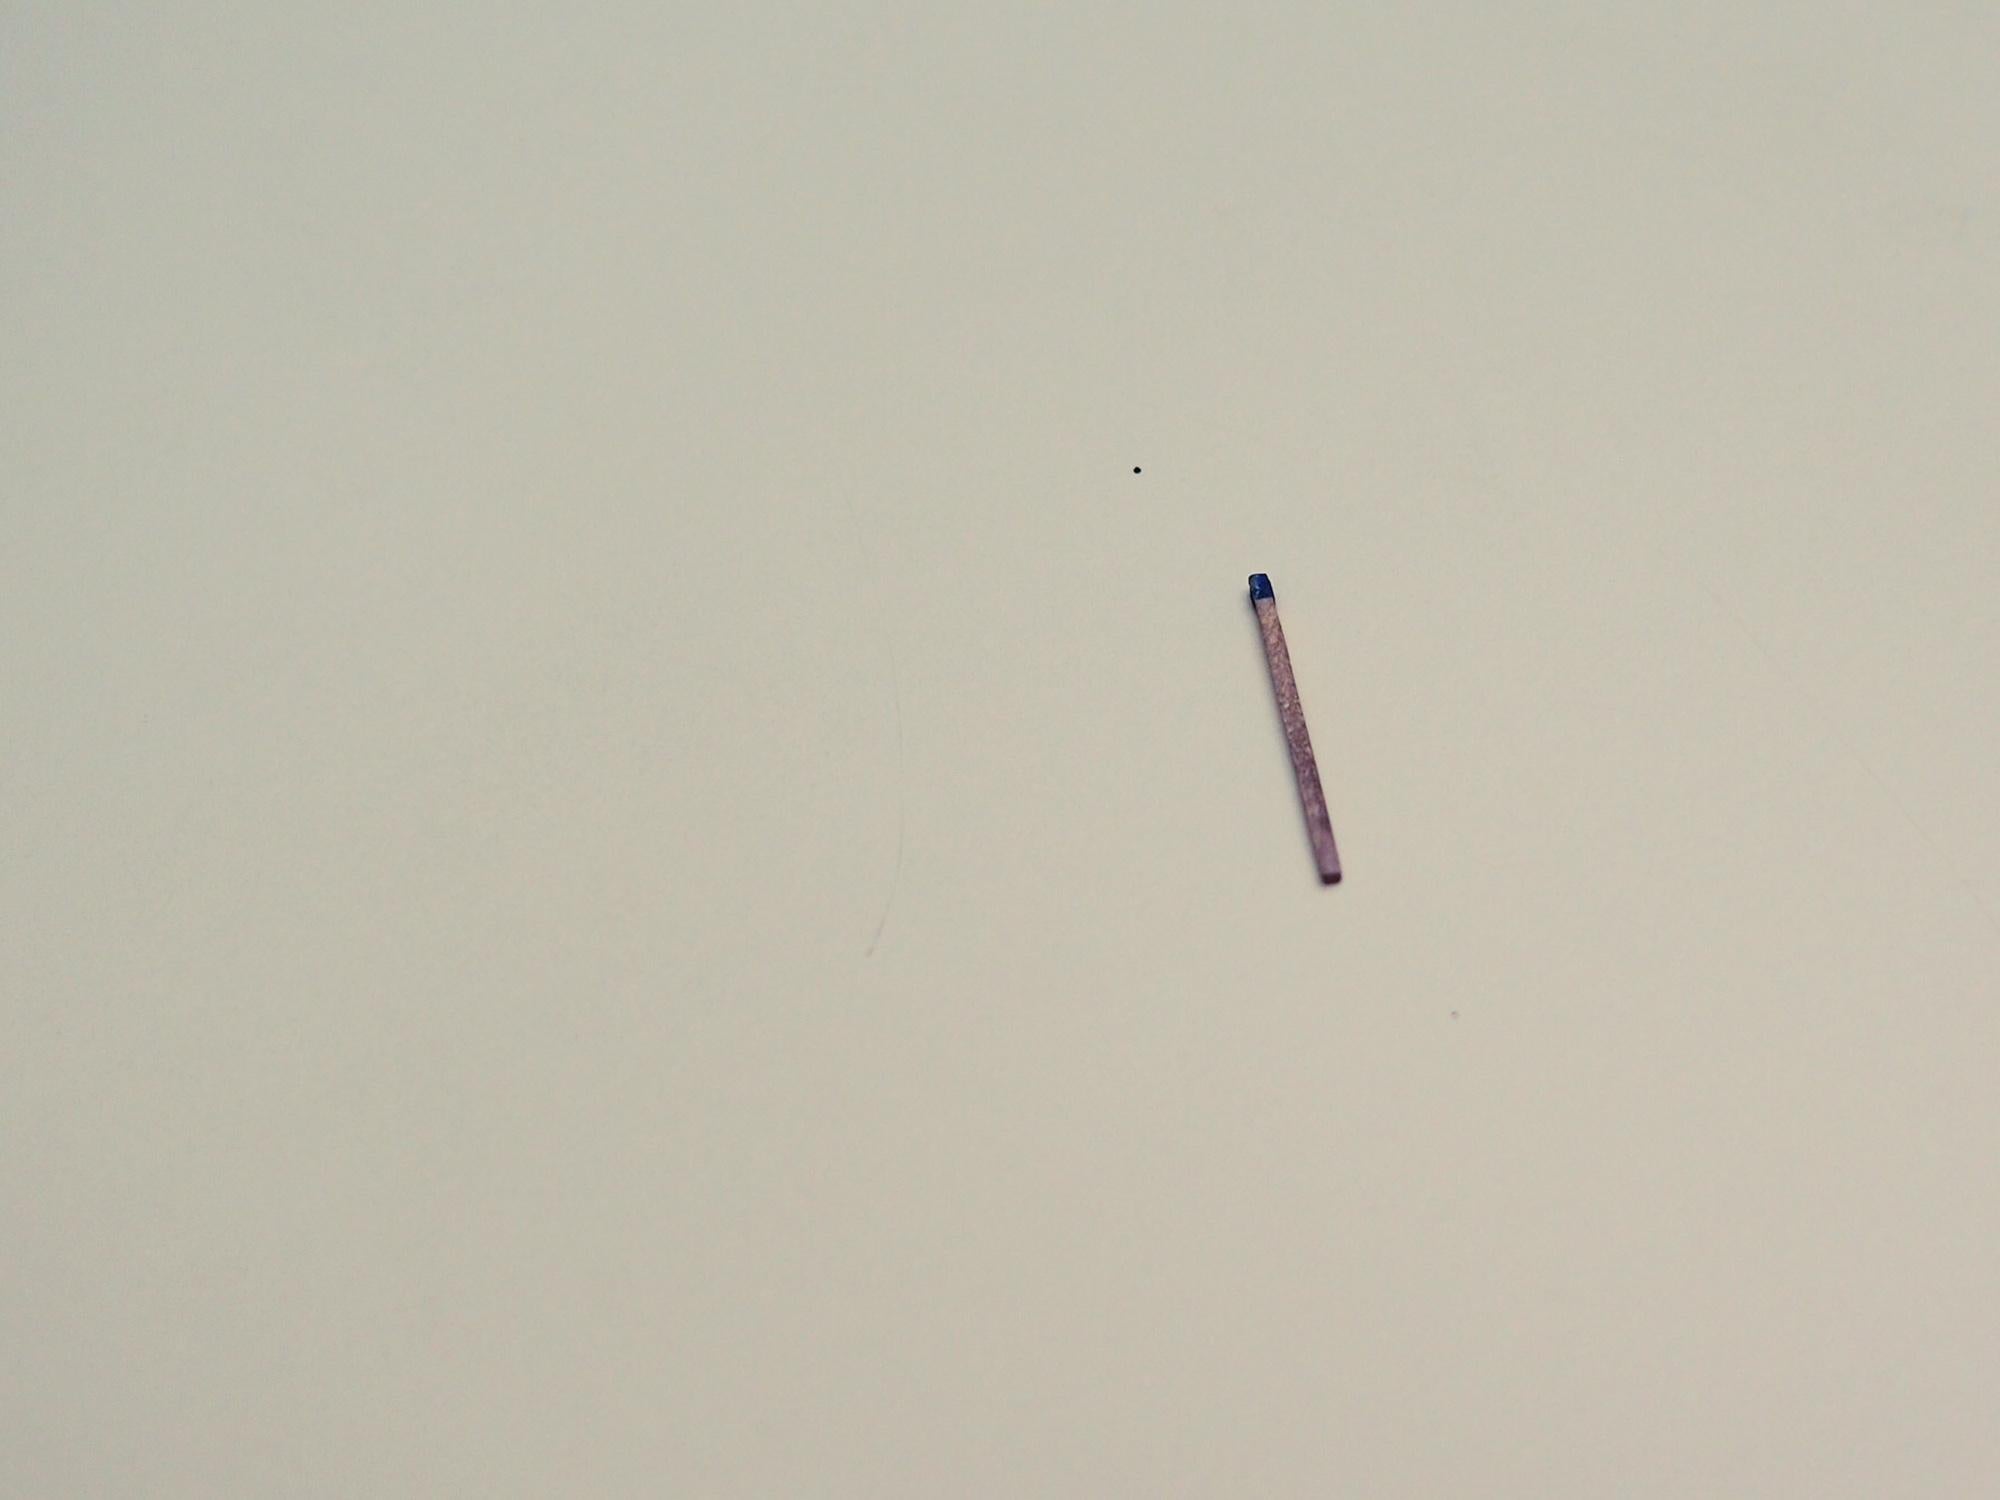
x=1260, y=587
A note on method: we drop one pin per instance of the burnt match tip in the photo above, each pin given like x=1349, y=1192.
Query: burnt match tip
x=1260, y=586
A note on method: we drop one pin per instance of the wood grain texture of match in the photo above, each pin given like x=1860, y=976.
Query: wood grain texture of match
x=1319, y=826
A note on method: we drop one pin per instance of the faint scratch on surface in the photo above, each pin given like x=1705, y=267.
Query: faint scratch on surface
x=888, y=639
x=896, y=874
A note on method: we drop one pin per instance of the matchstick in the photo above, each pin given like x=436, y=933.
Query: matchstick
x=1319, y=827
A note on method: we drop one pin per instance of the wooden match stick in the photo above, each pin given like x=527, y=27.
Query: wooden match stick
x=1319, y=827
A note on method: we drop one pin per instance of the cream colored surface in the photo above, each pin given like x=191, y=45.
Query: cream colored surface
x=637, y=863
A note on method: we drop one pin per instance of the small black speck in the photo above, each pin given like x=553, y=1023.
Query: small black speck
x=1135, y=468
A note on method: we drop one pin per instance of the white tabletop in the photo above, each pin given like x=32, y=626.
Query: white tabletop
x=646, y=850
